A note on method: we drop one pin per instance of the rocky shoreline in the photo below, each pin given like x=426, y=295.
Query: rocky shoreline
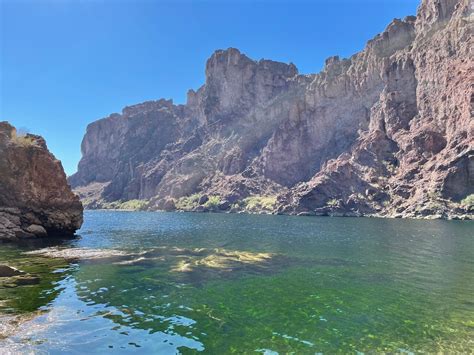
x=453, y=213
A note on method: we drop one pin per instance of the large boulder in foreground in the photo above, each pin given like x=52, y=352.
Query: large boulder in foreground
x=35, y=199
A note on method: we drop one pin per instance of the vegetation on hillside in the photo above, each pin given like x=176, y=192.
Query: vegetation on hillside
x=258, y=203
x=468, y=201
x=23, y=140
x=188, y=203
x=134, y=205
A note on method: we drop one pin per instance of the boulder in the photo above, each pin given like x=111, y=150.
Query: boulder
x=224, y=205
x=203, y=199
x=169, y=205
x=9, y=271
x=37, y=230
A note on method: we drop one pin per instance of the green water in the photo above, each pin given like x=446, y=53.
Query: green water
x=331, y=285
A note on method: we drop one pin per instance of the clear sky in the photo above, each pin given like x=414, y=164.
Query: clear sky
x=66, y=63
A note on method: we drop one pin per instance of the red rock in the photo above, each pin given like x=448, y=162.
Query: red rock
x=394, y=119
x=35, y=199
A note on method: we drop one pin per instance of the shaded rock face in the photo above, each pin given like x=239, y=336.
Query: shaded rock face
x=35, y=199
x=387, y=131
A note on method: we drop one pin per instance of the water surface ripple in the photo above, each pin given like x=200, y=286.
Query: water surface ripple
x=221, y=283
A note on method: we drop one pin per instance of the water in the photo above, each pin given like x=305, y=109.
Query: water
x=304, y=285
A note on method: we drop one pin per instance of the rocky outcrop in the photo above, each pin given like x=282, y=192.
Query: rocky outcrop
x=385, y=132
x=416, y=158
x=35, y=199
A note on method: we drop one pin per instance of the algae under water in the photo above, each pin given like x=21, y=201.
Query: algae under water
x=222, y=283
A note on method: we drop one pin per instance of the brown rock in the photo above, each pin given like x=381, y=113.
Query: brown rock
x=37, y=230
x=169, y=205
x=380, y=131
x=203, y=199
x=35, y=199
x=9, y=271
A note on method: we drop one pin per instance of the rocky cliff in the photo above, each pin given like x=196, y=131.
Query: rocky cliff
x=35, y=199
x=385, y=132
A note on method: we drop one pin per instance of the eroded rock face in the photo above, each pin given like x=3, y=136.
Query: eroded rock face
x=35, y=199
x=415, y=159
x=387, y=131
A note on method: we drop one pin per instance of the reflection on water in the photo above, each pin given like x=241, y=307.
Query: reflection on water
x=174, y=282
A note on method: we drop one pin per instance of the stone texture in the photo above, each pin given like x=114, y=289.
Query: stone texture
x=385, y=132
x=416, y=157
x=35, y=199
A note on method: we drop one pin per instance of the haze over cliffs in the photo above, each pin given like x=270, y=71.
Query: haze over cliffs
x=387, y=132
x=35, y=199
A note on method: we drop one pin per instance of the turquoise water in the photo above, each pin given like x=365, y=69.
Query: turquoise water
x=223, y=283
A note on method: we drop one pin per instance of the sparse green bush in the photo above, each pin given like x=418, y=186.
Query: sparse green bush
x=332, y=202
x=468, y=201
x=213, y=202
x=187, y=203
x=23, y=140
x=257, y=202
x=135, y=205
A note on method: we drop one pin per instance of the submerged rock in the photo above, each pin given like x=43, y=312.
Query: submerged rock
x=11, y=324
x=35, y=199
x=178, y=259
x=224, y=260
x=72, y=254
x=8, y=271
x=12, y=277
x=23, y=280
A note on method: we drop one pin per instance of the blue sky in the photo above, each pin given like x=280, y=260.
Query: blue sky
x=66, y=63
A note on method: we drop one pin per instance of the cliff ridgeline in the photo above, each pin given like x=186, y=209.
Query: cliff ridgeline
x=386, y=132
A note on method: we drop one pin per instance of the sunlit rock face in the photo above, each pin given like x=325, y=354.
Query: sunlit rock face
x=416, y=157
x=35, y=198
x=387, y=131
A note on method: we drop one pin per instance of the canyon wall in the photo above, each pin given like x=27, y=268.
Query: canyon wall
x=386, y=132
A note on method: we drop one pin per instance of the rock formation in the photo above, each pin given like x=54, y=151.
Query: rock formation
x=386, y=132
x=35, y=199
